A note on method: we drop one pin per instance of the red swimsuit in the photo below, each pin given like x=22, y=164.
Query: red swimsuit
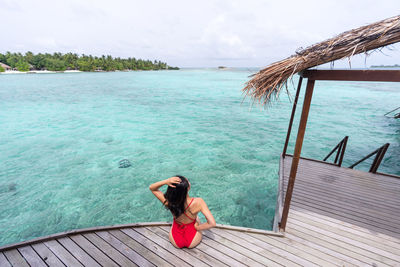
x=183, y=233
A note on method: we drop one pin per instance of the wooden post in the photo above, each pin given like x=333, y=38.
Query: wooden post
x=292, y=117
x=297, y=152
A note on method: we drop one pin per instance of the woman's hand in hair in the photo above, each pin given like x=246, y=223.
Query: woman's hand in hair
x=173, y=181
x=154, y=188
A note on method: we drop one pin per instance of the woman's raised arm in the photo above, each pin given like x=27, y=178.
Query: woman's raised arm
x=170, y=182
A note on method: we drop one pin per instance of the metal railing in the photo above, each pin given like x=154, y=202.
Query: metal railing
x=380, y=153
x=396, y=116
x=341, y=148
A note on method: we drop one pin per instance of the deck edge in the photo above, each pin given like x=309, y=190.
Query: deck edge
x=121, y=226
x=279, y=198
x=80, y=231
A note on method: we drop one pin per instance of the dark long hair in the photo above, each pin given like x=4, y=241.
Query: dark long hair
x=175, y=197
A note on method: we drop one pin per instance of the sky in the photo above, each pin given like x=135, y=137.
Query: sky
x=190, y=33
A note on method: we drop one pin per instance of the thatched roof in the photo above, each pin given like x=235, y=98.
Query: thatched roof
x=268, y=82
x=5, y=66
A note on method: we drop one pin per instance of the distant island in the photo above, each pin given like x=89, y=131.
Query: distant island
x=73, y=62
x=386, y=66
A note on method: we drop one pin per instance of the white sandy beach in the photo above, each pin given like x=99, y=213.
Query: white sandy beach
x=38, y=72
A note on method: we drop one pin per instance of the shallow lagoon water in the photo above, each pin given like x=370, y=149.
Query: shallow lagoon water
x=63, y=135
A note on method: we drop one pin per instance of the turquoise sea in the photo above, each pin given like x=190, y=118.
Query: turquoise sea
x=62, y=136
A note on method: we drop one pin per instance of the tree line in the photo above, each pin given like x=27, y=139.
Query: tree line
x=73, y=61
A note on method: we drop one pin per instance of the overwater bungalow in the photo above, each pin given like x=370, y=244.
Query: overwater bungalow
x=5, y=67
x=327, y=214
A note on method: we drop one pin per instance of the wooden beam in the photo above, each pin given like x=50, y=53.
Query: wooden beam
x=353, y=75
x=297, y=151
x=292, y=117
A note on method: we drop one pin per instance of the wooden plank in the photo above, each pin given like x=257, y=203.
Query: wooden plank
x=124, y=249
x=353, y=75
x=325, y=248
x=374, y=210
x=276, y=249
x=342, y=218
x=305, y=188
x=361, y=212
x=358, y=247
x=244, y=260
x=388, y=175
x=113, y=227
x=365, y=222
x=347, y=176
x=62, y=253
x=313, y=249
x=130, y=242
x=15, y=258
x=3, y=260
x=319, y=177
x=355, y=174
x=346, y=225
x=77, y=231
x=349, y=228
x=47, y=255
x=182, y=254
x=31, y=256
x=215, y=253
x=165, y=254
x=293, y=250
x=371, y=240
x=93, y=251
x=265, y=252
x=387, y=221
x=327, y=165
x=243, y=250
x=77, y=252
x=347, y=216
x=338, y=198
x=310, y=187
x=107, y=249
x=226, y=259
x=248, y=230
x=328, y=245
x=351, y=204
x=194, y=252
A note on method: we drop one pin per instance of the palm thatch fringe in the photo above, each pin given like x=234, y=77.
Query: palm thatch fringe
x=268, y=82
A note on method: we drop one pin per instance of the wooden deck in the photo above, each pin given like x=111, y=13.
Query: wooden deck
x=338, y=217
x=350, y=215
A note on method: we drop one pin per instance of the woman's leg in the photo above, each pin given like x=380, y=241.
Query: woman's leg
x=171, y=239
x=196, y=239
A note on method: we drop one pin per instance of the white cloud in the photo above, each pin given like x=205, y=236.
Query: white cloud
x=186, y=33
x=46, y=42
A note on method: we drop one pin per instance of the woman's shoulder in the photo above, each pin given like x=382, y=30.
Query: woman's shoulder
x=198, y=202
x=198, y=199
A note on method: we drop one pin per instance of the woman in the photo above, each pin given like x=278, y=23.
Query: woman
x=186, y=227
